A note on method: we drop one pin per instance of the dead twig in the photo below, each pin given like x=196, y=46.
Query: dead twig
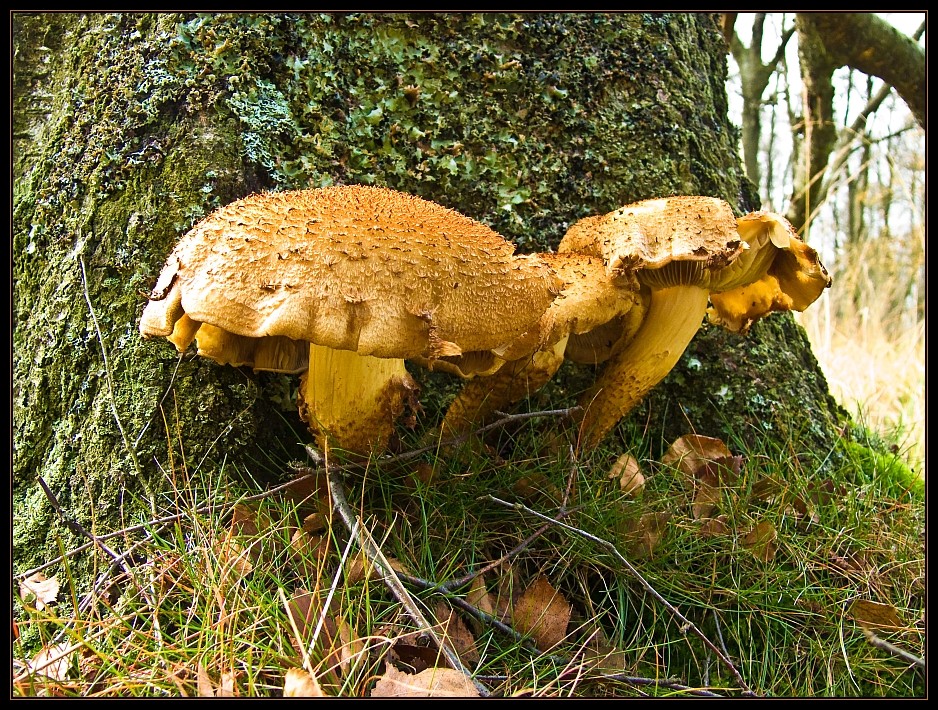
x=523, y=545
x=376, y=557
x=504, y=420
x=893, y=649
x=686, y=624
x=668, y=683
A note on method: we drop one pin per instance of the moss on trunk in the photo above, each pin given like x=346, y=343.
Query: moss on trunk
x=128, y=128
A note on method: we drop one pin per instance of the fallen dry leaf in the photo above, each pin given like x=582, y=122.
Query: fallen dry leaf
x=766, y=489
x=315, y=523
x=298, y=683
x=714, y=526
x=707, y=498
x=44, y=590
x=415, y=651
x=537, y=487
x=867, y=613
x=53, y=661
x=601, y=655
x=310, y=489
x=643, y=535
x=692, y=451
x=479, y=596
x=423, y=473
x=429, y=683
x=227, y=686
x=204, y=683
x=507, y=586
x=629, y=473
x=351, y=645
x=761, y=541
x=359, y=569
x=308, y=553
x=305, y=610
x=250, y=527
x=236, y=560
x=453, y=631
x=543, y=613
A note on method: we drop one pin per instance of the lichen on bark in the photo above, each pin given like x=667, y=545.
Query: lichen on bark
x=130, y=127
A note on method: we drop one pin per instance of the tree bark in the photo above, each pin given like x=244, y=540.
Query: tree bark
x=865, y=42
x=128, y=128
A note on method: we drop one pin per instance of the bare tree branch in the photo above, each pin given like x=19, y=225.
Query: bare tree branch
x=871, y=45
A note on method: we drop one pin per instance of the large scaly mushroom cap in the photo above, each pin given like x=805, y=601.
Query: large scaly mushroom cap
x=683, y=249
x=345, y=282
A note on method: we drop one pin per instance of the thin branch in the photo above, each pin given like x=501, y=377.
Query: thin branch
x=661, y=683
x=118, y=560
x=374, y=554
x=894, y=650
x=686, y=624
x=504, y=420
x=73, y=524
x=159, y=404
x=452, y=584
x=470, y=609
x=107, y=373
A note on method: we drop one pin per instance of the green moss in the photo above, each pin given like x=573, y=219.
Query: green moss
x=130, y=127
x=877, y=465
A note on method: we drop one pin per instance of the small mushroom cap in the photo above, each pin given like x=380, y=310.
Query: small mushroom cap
x=358, y=268
x=690, y=235
x=794, y=279
x=596, y=310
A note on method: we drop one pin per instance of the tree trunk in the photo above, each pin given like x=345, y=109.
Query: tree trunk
x=129, y=128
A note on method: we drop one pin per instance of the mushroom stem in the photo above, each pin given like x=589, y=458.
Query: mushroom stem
x=350, y=401
x=674, y=316
x=483, y=396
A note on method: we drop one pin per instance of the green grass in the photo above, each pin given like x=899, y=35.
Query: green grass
x=187, y=609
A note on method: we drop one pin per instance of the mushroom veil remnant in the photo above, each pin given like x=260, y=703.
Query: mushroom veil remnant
x=343, y=284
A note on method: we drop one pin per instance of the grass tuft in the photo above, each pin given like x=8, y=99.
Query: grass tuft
x=239, y=588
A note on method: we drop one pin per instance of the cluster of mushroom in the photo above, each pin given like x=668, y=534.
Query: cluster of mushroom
x=342, y=284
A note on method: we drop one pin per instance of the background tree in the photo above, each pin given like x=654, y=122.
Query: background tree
x=843, y=156
x=826, y=42
x=130, y=127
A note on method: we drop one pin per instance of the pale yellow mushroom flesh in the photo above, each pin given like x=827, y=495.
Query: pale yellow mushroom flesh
x=351, y=401
x=674, y=316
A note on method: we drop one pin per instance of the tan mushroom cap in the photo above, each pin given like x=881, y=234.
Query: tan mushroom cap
x=648, y=235
x=357, y=268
